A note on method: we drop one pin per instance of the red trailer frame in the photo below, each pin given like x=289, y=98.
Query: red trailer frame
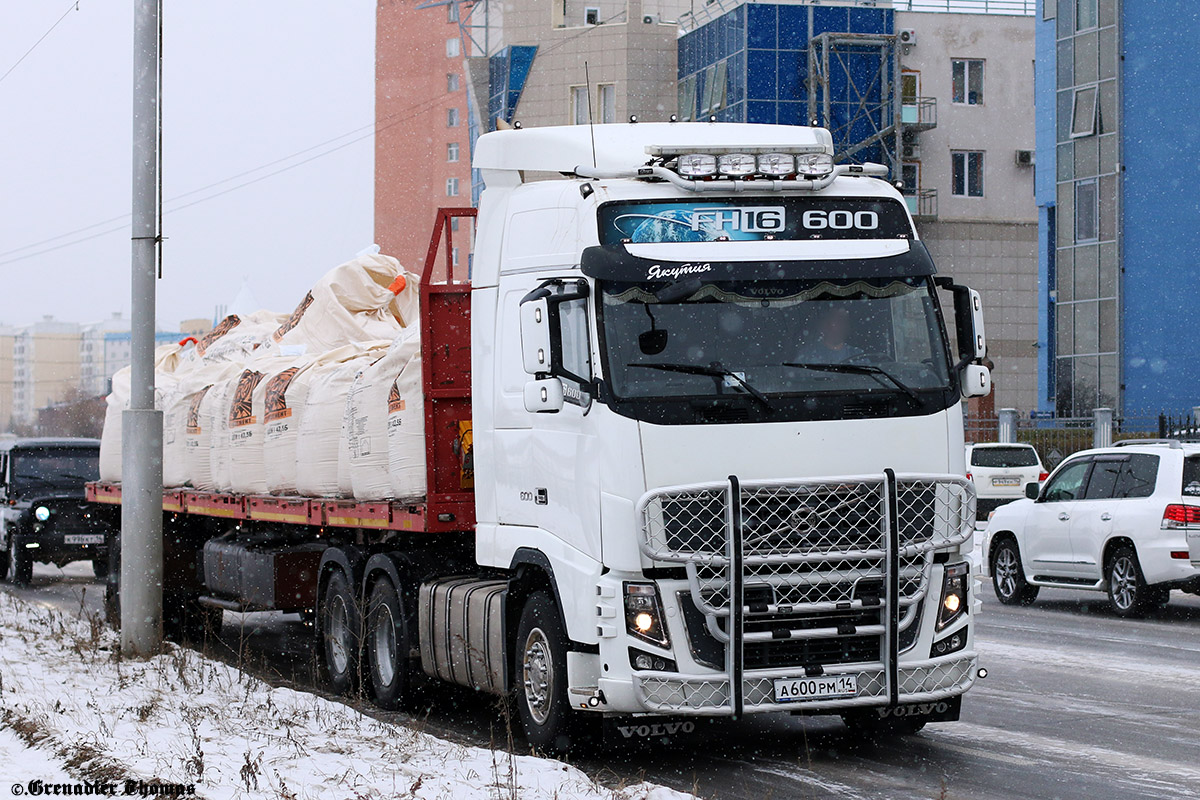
x=446, y=382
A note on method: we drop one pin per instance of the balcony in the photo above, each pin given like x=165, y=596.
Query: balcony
x=918, y=113
x=922, y=204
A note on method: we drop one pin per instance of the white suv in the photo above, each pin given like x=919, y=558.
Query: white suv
x=1116, y=519
x=1000, y=473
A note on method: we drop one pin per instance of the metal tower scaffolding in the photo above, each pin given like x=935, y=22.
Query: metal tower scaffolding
x=853, y=90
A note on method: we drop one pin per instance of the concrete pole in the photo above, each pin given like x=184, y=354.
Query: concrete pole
x=1007, y=418
x=142, y=426
x=1102, y=427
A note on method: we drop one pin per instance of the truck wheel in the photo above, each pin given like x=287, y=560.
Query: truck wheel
x=20, y=563
x=1008, y=579
x=387, y=645
x=540, y=674
x=1127, y=590
x=869, y=725
x=338, y=626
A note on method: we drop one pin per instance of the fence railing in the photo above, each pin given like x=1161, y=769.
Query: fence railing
x=1059, y=437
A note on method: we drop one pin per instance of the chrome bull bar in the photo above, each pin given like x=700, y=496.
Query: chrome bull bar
x=807, y=548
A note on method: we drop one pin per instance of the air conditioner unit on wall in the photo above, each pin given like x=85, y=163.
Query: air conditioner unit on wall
x=1025, y=158
x=907, y=35
x=910, y=152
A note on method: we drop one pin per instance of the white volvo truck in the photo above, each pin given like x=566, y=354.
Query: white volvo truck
x=717, y=452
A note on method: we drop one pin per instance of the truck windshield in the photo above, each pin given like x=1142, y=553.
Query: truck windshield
x=54, y=467
x=783, y=349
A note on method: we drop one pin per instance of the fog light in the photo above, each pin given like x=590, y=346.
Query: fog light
x=776, y=165
x=736, y=164
x=814, y=165
x=41, y=513
x=643, y=662
x=697, y=165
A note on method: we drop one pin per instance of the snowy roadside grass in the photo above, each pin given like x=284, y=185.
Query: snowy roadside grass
x=180, y=718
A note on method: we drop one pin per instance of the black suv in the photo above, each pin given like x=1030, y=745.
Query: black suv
x=43, y=516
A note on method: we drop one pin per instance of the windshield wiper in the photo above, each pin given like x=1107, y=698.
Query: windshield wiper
x=712, y=372
x=883, y=376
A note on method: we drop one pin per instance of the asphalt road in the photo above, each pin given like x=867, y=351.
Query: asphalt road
x=1078, y=705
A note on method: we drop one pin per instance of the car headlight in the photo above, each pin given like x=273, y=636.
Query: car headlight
x=954, y=594
x=41, y=513
x=643, y=614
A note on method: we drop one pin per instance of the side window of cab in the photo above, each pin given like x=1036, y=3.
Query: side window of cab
x=1068, y=483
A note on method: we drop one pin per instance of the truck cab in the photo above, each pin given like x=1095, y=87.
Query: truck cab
x=714, y=386
x=44, y=516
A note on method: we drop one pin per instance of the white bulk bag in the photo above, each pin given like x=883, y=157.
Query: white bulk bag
x=181, y=420
x=368, y=415
x=212, y=418
x=367, y=298
x=166, y=360
x=320, y=436
x=406, y=432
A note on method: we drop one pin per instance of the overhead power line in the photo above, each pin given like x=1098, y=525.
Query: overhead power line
x=74, y=5
x=375, y=128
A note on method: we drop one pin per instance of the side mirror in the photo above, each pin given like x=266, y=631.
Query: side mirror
x=975, y=380
x=1032, y=490
x=535, y=336
x=978, y=339
x=652, y=342
x=544, y=396
x=968, y=320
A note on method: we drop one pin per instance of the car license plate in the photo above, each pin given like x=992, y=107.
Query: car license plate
x=1014, y=481
x=826, y=687
x=84, y=538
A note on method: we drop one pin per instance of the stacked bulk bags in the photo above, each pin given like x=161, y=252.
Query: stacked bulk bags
x=324, y=402
x=167, y=360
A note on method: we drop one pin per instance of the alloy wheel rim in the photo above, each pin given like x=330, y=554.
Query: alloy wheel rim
x=385, y=645
x=538, y=676
x=339, y=626
x=1006, y=572
x=1124, y=580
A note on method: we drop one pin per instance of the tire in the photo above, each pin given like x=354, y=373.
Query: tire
x=338, y=632
x=1008, y=578
x=100, y=567
x=387, y=645
x=20, y=564
x=869, y=725
x=1128, y=593
x=540, y=679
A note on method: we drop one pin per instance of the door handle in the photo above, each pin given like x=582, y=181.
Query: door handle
x=1105, y=517
x=1064, y=516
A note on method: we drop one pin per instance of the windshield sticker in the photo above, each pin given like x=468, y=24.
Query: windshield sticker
x=753, y=219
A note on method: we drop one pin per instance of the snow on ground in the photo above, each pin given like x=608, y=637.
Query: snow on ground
x=70, y=704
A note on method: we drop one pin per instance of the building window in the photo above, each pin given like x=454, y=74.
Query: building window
x=1087, y=211
x=910, y=173
x=454, y=256
x=452, y=152
x=687, y=98
x=715, y=80
x=966, y=174
x=451, y=187
x=451, y=117
x=1085, y=14
x=591, y=16
x=452, y=46
x=580, y=113
x=1083, y=112
x=452, y=82
x=452, y=11
x=608, y=102
x=967, y=81
x=1049, y=9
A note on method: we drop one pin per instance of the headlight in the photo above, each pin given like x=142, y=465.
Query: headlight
x=814, y=165
x=41, y=513
x=736, y=164
x=696, y=165
x=954, y=594
x=643, y=614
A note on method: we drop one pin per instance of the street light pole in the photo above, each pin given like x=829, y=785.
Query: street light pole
x=142, y=425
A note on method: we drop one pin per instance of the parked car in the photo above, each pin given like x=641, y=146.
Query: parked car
x=1114, y=519
x=1000, y=473
x=44, y=515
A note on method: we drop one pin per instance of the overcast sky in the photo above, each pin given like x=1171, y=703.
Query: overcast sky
x=245, y=84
